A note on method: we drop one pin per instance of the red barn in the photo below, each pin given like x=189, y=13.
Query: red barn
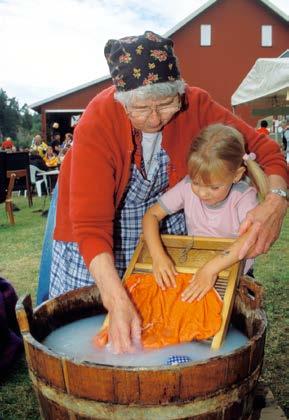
x=216, y=45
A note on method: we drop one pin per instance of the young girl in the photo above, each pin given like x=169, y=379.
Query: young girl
x=215, y=200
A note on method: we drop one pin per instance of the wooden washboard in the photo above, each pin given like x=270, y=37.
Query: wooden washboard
x=189, y=254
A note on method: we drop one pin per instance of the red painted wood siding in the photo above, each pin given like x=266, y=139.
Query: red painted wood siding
x=236, y=44
x=78, y=99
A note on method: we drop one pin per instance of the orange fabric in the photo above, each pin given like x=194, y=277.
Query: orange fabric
x=166, y=320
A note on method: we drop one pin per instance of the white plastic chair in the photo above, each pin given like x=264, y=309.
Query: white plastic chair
x=36, y=171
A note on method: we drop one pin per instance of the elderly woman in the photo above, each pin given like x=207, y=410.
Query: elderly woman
x=130, y=145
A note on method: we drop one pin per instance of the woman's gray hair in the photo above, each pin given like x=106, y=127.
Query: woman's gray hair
x=153, y=91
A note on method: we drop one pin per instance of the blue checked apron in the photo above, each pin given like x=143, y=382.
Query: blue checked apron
x=68, y=270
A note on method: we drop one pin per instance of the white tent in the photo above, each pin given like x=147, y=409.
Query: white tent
x=268, y=78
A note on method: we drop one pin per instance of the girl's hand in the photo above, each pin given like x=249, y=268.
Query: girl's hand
x=164, y=271
x=201, y=283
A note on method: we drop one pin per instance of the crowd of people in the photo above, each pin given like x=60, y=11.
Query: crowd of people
x=43, y=154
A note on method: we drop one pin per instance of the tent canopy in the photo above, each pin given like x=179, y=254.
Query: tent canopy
x=268, y=78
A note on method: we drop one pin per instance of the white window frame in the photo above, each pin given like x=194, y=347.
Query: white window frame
x=206, y=35
x=266, y=35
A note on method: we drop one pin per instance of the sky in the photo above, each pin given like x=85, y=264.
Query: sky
x=50, y=46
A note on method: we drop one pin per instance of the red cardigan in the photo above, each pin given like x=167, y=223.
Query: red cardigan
x=96, y=170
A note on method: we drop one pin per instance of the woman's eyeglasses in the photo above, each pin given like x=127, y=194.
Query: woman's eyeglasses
x=161, y=110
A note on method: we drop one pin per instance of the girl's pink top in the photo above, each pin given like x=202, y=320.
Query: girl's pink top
x=221, y=220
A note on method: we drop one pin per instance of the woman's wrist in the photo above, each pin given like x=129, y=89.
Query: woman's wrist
x=107, y=280
x=277, y=202
x=115, y=297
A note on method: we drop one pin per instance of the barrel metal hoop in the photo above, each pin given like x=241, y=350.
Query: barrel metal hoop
x=196, y=407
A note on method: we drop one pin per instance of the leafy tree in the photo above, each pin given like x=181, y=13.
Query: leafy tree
x=9, y=115
x=26, y=118
x=20, y=124
x=36, y=123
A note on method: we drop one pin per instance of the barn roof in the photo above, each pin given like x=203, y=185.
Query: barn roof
x=167, y=34
x=69, y=91
x=210, y=3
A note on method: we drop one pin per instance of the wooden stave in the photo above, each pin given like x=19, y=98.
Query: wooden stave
x=60, y=372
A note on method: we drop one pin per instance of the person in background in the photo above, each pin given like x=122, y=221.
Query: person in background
x=39, y=145
x=129, y=146
x=263, y=129
x=285, y=136
x=215, y=200
x=62, y=153
x=50, y=158
x=56, y=144
x=68, y=140
x=8, y=144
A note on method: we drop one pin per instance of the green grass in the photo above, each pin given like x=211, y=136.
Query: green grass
x=21, y=244
x=272, y=270
x=19, y=262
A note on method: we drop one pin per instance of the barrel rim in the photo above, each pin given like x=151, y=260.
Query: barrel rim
x=74, y=293
x=37, y=344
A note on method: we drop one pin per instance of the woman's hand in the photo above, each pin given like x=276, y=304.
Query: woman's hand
x=164, y=271
x=266, y=221
x=201, y=283
x=124, y=323
x=124, y=327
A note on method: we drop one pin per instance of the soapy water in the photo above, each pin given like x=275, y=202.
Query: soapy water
x=74, y=340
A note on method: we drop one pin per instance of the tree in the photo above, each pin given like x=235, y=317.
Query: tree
x=9, y=115
x=20, y=124
x=26, y=118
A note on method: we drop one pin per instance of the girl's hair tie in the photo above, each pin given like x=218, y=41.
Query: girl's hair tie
x=250, y=156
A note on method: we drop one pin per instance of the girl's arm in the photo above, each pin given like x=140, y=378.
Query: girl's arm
x=163, y=267
x=206, y=276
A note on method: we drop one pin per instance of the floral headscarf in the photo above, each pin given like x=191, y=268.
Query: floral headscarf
x=141, y=60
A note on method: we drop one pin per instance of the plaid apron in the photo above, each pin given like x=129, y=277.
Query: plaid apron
x=140, y=195
x=68, y=270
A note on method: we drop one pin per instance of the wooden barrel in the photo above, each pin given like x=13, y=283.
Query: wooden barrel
x=219, y=388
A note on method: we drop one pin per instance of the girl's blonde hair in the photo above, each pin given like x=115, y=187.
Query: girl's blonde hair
x=220, y=149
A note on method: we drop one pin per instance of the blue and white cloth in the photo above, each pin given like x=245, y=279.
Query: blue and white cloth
x=68, y=269
x=177, y=360
x=46, y=256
